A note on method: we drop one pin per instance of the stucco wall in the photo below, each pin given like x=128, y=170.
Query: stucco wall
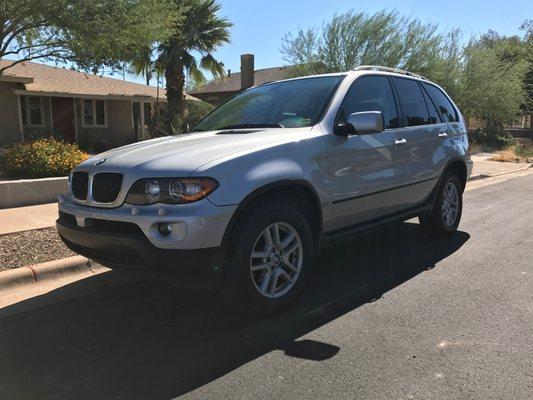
x=119, y=126
x=9, y=118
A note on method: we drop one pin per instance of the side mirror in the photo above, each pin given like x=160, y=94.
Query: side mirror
x=361, y=123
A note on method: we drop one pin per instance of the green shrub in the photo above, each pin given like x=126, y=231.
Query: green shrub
x=196, y=111
x=40, y=158
x=492, y=138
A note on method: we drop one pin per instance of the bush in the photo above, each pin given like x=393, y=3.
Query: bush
x=40, y=158
x=196, y=111
x=492, y=138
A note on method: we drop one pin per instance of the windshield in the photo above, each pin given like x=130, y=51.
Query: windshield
x=288, y=104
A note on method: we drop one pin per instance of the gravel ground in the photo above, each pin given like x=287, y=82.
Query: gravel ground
x=31, y=247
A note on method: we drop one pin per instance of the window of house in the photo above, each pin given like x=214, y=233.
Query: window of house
x=94, y=113
x=31, y=110
x=444, y=106
x=371, y=93
x=412, y=102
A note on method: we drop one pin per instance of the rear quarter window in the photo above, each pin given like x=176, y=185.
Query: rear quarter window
x=445, y=107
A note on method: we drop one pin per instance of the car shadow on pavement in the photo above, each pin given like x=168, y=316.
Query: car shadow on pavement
x=146, y=339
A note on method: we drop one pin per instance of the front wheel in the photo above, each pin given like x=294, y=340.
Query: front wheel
x=446, y=215
x=271, y=257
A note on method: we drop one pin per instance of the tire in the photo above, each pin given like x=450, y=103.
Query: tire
x=440, y=223
x=243, y=287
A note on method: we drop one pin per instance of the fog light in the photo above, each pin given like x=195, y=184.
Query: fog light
x=164, y=228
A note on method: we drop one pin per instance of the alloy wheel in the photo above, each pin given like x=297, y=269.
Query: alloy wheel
x=450, y=204
x=276, y=260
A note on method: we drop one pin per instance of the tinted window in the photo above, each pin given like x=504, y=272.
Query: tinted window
x=371, y=93
x=294, y=103
x=412, y=101
x=446, y=108
x=433, y=114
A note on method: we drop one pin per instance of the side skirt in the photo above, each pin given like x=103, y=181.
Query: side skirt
x=345, y=234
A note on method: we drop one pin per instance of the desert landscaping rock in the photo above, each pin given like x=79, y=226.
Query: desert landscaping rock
x=31, y=247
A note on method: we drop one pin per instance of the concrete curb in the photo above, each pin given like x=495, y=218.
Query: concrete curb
x=483, y=176
x=48, y=271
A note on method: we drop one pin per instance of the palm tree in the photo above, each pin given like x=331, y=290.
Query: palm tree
x=199, y=31
x=143, y=65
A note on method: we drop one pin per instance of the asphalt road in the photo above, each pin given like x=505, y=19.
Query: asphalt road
x=391, y=315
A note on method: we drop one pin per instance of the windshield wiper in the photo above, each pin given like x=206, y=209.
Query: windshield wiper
x=244, y=126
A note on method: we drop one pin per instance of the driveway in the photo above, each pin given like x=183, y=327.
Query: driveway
x=388, y=315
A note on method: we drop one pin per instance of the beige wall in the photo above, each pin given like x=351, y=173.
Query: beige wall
x=9, y=117
x=118, y=131
x=119, y=125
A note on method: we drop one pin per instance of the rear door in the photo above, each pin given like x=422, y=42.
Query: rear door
x=364, y=170
x=424, y=132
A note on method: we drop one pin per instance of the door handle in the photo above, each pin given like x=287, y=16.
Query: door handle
x=400, y=141
x=443, y=135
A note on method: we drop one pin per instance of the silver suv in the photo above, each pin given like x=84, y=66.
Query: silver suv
x=272, y=176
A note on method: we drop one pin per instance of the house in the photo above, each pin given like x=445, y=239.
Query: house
x=39, y=100
x=219, y=90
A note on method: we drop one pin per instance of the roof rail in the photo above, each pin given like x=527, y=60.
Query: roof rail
x=388, y=69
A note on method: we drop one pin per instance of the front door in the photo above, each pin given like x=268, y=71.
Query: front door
x=63, y=118
x=366, y=171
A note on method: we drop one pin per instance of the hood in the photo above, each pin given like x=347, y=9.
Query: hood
x=185, y=153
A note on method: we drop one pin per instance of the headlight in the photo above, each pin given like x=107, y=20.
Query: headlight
x=170, y=190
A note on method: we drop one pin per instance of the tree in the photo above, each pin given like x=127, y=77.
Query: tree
x=357, y=38
x=384, y=38
x=199, y=30
x=527, y=27
x=89, y=33
x=493, y=77
x=144, y=65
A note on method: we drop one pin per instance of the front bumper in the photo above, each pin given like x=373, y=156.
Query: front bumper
x=133, y=250
x=201, y=224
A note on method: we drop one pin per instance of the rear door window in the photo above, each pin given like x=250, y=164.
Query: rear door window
x=433, y=113
x=446, y=109
x=412, y=102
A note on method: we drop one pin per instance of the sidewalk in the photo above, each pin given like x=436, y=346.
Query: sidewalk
x=27, y=218
x=483, y=166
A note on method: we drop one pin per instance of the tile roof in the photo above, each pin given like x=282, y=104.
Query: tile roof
x=232, y=83
x=50, y=79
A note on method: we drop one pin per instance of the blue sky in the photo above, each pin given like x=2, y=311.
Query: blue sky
x=260, y=25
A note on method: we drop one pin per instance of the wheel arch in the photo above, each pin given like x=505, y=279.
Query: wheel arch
x=297, y=189
x=458, y=166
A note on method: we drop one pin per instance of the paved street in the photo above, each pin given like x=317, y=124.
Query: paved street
x=392, y=315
